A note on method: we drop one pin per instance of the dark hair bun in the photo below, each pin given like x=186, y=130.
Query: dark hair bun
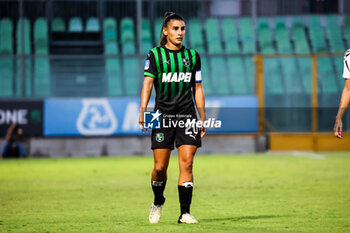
x=168, y=13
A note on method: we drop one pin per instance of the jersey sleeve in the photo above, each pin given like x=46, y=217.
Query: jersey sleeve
x=198, y=69
x=150, y=65
x=346, y=72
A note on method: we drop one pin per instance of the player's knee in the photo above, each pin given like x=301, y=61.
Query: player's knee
x=159, y=168
x=187, y=165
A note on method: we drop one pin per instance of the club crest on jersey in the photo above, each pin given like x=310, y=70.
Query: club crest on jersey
x=186, y=62
x=177, y=77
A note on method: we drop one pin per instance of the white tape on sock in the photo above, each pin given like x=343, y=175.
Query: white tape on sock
x=188, y=184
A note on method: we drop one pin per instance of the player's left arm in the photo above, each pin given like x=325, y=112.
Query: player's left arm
x=344, y=103
x=199, y=94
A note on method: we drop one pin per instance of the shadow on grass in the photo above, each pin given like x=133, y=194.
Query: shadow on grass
x=235, y=219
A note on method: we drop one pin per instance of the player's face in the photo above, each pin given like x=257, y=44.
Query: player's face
x=175, y=32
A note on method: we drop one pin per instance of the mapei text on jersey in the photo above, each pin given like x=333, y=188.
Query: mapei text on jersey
x=177, y=77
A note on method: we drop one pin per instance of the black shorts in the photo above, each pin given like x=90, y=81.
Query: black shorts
x=179, y=134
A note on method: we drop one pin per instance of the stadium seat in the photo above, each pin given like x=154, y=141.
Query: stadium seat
x=299, y=36
x=41, y=77
x=6, y=29
x=113, y=71
x=111, y=48
x=237, y=76
x=304, y=67
x=219, y=76
x=326, y=76
x=249, y=68
x=131, y=76
x=334, y=34
x=282, y=36
x=213, y=36
x=316, y=34
x=58, y=25
x=293, y=82
x=229, y=31
x=110, y=36
x=206, y=77
x=127, y=36
x=75, y=25
x=41, y=82
x=92, y=25
x=27, y=46
x=265, y=37
x=146, y=39
x=6, y=64
x=247, y=35
x=196, y=36
x=26, y=51
x=273, y=76
x=40, y=36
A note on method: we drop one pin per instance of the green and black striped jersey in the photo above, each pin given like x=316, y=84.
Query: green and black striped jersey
x=175, y=73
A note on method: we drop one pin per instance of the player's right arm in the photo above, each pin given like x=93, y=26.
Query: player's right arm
x=145, y=95
x=344, y=103
x=150, y=73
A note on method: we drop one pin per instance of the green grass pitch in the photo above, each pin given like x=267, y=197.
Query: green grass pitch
x=244, y=193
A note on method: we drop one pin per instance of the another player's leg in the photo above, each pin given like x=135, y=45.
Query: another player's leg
x=159, y=178
x=185, y=184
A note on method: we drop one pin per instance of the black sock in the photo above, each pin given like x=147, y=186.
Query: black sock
x=185, y=196
x=158, y=190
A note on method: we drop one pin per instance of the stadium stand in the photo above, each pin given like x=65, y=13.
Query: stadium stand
x=131, y=76
x=237, y=80
x=326, y=76
x=207, y=84
x=247, y=35
x=156, y=31
x=26, y=50
x=127, y=36
x=6, y=64
x=213, y=36
x=334, y=34
x=146, y=37
x=229, y=30
x=41, y=65
x=196, y=35
x=281, y=32
x=219, y=76
x=299, y=37
x=226, y=46
x=316, y=34
x=265, y=37
x=347, y=29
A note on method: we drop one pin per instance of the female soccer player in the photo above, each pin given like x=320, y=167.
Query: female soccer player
x=345, y=97
x=175, y=73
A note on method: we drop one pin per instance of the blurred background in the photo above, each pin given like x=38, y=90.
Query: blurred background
x=71, y=72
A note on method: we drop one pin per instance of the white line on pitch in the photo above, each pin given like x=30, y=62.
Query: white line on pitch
x=308, y=155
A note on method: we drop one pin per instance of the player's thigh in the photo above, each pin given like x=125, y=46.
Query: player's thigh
x=186, y=156
x=161, y=158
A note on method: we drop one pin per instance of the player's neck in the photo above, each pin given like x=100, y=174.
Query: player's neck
x=171, y=46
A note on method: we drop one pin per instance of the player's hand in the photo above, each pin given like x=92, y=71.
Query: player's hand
x=12, y=127
x=203, y=130
x=141, y=122
x=338, y=128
